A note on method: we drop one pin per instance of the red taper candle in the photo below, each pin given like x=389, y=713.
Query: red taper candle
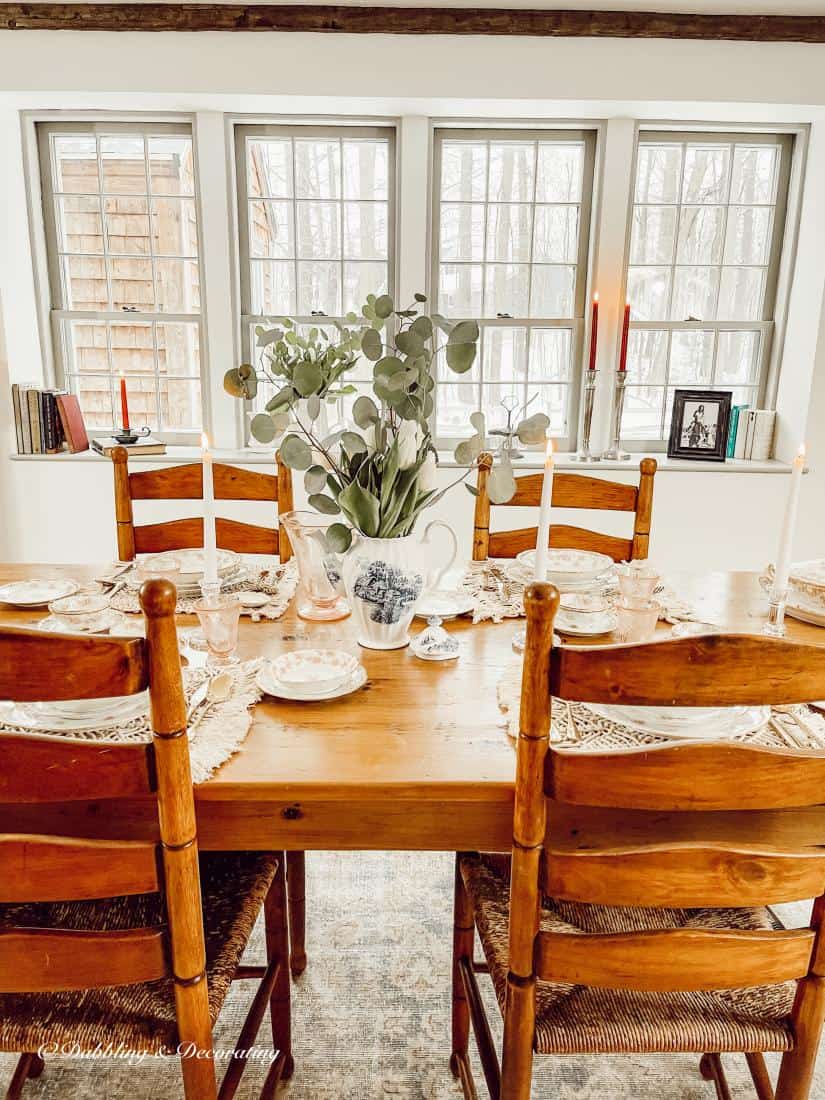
x=594, y=331
x=625, y=331
x=124, y=404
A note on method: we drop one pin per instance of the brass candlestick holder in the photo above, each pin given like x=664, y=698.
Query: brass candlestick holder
x=615, y=453
x=583, y=454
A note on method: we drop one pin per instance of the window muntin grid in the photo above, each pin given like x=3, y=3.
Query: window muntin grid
x=122, y=243
x=706, y=233
x=510, y=233
x=316, y=221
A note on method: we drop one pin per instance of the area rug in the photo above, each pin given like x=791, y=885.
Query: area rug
x=371, y=1014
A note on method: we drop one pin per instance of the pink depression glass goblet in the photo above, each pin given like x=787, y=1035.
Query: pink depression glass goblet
x=219, y=617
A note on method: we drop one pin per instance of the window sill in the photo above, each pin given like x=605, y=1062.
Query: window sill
x=250, y=457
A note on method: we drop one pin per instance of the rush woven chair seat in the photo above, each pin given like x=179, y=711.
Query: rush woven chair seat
x=633, y=912
x=580, y=1019
x=142, y=1016
x=117, y=937
x=573, y=491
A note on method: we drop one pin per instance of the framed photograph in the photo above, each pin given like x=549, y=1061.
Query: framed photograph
x=699, y=425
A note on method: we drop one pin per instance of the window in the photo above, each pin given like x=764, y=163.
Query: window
x=707, y=226
x=511, y=223
x=316, y=220
x=122, y=241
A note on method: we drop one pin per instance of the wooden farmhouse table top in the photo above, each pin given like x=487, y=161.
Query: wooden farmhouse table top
x=416, y=759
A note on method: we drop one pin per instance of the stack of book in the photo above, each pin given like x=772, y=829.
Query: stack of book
x=47, y=420
x=145, y=445
x=751, y=433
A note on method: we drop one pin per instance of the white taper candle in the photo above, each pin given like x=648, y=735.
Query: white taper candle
x=786, y=533
x=210, y=548
x=543, y=535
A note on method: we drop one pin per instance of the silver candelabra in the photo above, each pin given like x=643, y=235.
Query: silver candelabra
x=615, y=453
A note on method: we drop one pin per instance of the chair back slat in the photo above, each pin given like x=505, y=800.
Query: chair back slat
x=685, y=876
x=186, y=483
x=706, y=671
x=706, y=776
x=575, y=491
x=88, y=667
x=56, y=769
x=184, y=534
x=682, y=959
x=54, y=868
x=506, y=544
x=46, y=960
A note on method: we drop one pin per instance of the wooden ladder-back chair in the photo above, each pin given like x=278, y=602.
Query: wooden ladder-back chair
x=632, y=914
x=569, y=491
x=131, y=941
x=186, y=483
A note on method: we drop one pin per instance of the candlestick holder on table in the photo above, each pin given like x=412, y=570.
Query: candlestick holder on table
x=615, y=453
x=127, y=436
x=584, y=454
x=775, y=626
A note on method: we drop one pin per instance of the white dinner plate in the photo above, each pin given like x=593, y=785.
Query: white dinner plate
x=269, y=685
x=35, y=593
x=110, y=622
x=444, y=604
x=568, y=565
x=191, y=563
x=688, y=723
x=76, y=714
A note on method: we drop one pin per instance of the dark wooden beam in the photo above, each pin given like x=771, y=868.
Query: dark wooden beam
x=339, y=19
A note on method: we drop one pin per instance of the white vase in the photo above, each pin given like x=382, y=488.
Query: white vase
x=383, y=579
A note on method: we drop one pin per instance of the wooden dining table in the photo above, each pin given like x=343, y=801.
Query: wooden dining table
x=417, y=759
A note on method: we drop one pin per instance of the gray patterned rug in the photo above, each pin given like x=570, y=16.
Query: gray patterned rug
x=372, y=1011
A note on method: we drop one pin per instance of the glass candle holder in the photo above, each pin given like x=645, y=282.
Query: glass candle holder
x=219, y=618
x=636, y=619
x=775, y=626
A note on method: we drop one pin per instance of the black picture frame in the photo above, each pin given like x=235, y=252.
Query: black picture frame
x=699, y=425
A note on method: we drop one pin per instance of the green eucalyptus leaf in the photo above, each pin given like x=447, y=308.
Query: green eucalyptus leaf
x=384, y=306
x=401, y=380
x=282, y=399
x=422, y=327
x=307, y=378
x=315, y=479
x=442, y=324
x=339, y=538
x=266, y=336
x=281, y=421
x=313, y=406
x=365, y=412
x=325, y=504
x=286, y=322
x=371, y=344
x=353, y=443
x=361, y=507
x=409, y=342
x=501, y=485
x=465, y=332
x=296, y=453
x=263, y=428
x=420, y=297
x=471, y=489
x=479, y=422
x=291, y=338
x=387, y=366
x=533, y=429
x=460, y=357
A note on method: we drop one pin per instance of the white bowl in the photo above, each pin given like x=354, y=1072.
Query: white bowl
x=314, y=671
x=82, y=611
x=568, y=565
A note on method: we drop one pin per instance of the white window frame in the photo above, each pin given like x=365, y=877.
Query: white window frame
x=339, y=130
x=782, y=232
x=588, y=134
x=46, y=125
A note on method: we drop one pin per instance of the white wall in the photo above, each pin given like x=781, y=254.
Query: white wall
x=62, y=510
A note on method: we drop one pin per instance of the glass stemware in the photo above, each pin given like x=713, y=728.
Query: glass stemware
x=219, y=618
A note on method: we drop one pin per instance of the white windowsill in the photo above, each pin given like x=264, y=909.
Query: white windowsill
x=249, y=457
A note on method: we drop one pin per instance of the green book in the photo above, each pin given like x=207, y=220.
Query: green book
x=734, y=428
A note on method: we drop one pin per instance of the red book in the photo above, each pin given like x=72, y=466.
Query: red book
x=72, y=420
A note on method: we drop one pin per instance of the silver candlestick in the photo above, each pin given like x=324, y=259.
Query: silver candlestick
x=615, y=453
x=583, y=454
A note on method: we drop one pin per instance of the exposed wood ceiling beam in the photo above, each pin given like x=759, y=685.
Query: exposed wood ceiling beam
x=338, y=19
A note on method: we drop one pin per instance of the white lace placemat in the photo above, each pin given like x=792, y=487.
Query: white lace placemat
x=218, y=734
x=278, y=583
x=575, y=725
x=498, y=594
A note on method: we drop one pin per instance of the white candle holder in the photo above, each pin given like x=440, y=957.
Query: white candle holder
x=615, y=453
x=583, y=454
x=775, y=626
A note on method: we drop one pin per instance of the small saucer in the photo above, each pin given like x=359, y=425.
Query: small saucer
x=110, y=621
x=253, y=599
x=270, y=686
x=585, y=624
x=444, y=605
